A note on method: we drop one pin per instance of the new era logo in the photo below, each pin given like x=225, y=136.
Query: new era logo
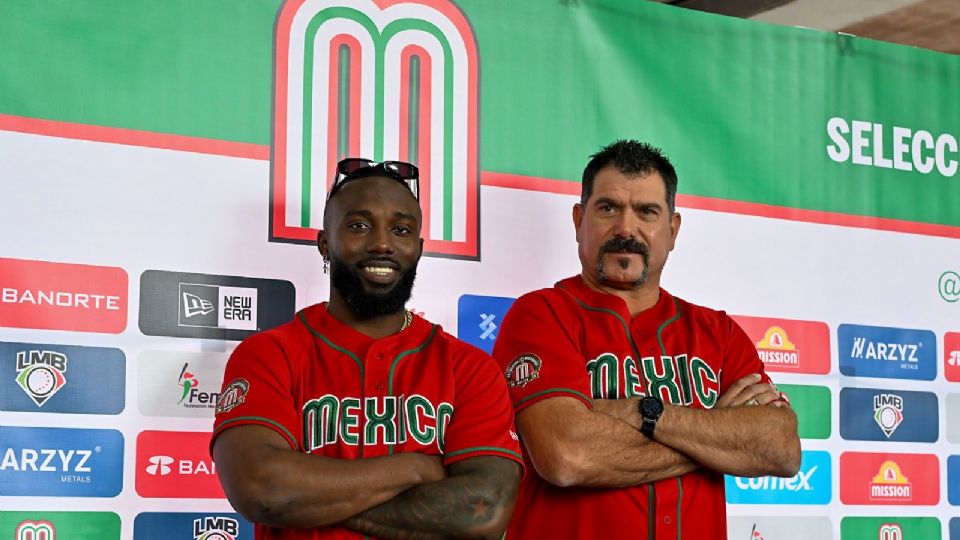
x=194, y=305
x=159, y=465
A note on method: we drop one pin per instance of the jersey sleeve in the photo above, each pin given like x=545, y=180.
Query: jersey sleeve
x=740, y=357
x=482, y=422
x=258, y=390
x=538, y=353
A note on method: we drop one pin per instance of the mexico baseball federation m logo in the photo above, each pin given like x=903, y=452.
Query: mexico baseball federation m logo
x=385, y=80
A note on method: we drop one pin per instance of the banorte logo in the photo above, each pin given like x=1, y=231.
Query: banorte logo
x=174, y=464
x=385, y=80
x=951, y=356
x=62, y=296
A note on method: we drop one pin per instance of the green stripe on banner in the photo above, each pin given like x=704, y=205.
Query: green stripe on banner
x=742, y=107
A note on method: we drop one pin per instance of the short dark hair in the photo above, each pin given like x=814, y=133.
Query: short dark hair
x=631, y=157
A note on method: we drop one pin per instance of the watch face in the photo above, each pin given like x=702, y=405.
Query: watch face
x=651, y=407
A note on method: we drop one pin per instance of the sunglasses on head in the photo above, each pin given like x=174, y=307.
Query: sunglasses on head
x=353, y=168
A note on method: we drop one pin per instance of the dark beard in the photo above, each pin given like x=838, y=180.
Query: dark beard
x=367, y=305
x=628, y=244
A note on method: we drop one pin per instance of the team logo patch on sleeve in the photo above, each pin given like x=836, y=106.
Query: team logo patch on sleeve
x=233, y=395
x=522, y=370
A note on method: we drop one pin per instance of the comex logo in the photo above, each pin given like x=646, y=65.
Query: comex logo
x=949, y=286
x=193, y=305
x=800, y=482
x=890, y=531
x=888, y=412
x=41, y=374
x=35, y=530
x=160, y=465
x=215, y=528
x=487, y=326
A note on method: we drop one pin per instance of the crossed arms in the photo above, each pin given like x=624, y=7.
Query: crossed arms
x=404, y=496
x=572, y=445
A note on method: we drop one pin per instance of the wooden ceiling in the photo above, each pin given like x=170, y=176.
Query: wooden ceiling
x=930, y=24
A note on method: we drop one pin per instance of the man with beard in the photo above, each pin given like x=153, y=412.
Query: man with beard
x=632, y=403
x=358, y=417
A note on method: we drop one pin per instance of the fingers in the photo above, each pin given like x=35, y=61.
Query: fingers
x=732, y=397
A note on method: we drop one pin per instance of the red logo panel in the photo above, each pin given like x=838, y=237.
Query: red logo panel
x=951, y=356
x=62, y=296
x=789, y=346
x=176, y=464
x=897, y=479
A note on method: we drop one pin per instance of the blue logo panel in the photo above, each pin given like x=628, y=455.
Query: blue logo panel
x=57, y=462
x=812, y=485
x=191, y=526
x=954, y=528
x=479, y=317
x=40, y=377
x=953, y=482
x=870, y=414
x=889, y=353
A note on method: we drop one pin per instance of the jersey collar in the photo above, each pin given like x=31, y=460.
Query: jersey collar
x=662, y=310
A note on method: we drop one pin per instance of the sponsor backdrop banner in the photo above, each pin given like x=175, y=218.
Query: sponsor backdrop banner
x=165, y=167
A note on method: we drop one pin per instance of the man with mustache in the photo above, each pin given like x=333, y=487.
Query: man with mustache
x=632, y=403
x=359, y=418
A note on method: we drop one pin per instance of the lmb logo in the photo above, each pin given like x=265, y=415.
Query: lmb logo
x=385, y=80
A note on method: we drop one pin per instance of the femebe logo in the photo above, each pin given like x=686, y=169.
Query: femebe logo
x=953, y=480
x=951, y=356
x=811, y=485
x=177, y=383
x=212, y=307
x=789, y=345
x=45, y=525
x=779, y=528
x=888, y=528
x=52, y=378
x=907, y=479
x=384, y=80
x=191, y=526
x=61, y=296
x=479, y=319
x=56, y=462
x=176, y=464
x=869, y=414
x=892, y=353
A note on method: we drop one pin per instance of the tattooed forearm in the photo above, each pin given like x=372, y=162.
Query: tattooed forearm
x=474, y=501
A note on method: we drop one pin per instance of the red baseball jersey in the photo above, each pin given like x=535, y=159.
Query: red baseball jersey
x=332, y=391
x=573, y=341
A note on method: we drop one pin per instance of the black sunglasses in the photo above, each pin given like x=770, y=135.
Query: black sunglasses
x=352, y=168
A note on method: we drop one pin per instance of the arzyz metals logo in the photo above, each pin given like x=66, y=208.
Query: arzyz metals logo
x=212, y=307
x=788, y=345
x=191, y=526
x=811, y=485
x=57, y=462
x=47, y=525
x=61, y=296
x=897, y=479
x=890, y=353
x=180, y=383
x=951, y=356
x=889, y=528
x=868, y=414
x=176, y=464
x=37, y=377
x=385, y=80
x=479, y=319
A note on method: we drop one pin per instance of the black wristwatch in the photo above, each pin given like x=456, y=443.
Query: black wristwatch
x=650, y=409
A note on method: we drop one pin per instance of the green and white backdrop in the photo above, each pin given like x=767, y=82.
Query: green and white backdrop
x=163, y=167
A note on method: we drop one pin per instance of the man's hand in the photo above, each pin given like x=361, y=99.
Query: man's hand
x=750, y=391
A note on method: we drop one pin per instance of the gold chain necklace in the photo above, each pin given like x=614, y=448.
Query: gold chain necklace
x=407, y=317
